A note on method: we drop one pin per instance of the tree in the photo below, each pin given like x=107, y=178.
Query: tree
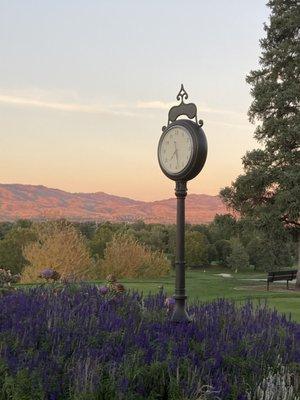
x=196, y=249
x=87, y=229
x=155, y=236
x=5, y=227
x=102, y=236
x=212, y=253
x=11, y=248
x=260, y=255
x=269, y=254
x=238, y=259
x=269, y=190
x=224, y=249
x=59, y=246
x=223, y=227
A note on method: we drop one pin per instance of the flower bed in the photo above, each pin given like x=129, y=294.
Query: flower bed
x=82, y=343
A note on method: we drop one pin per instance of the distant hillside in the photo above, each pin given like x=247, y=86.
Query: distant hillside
x=36, y=202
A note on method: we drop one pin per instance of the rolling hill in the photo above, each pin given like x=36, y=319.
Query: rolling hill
x=37, y=202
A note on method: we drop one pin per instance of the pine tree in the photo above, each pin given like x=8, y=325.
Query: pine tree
x=269, y=189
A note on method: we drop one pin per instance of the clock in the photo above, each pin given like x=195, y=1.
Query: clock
x=182, y=150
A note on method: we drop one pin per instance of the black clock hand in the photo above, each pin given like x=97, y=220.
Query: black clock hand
x=173, y=155
x=176, y=152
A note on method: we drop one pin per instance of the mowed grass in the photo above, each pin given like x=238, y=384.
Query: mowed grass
x=206, y=286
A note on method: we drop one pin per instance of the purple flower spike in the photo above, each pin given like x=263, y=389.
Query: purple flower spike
x=77, y=331
x=49, y=273
x=103, y=290
x=170, y=302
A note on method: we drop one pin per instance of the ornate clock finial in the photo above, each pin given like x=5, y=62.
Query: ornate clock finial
x=182, y=94
x=188, y=109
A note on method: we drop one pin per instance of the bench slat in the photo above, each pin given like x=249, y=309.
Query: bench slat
x=281, y=276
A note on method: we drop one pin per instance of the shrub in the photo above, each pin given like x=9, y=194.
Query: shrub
x=61, y=246
x=124, y=257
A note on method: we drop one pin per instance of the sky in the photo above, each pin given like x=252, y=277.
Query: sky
x=85, y=88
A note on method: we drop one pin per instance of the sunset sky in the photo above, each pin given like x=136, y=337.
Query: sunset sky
x=85, y=87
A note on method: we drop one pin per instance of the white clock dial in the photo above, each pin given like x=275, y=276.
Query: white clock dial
x=176, y=149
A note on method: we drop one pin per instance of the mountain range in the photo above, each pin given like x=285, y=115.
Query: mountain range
x=38, y=202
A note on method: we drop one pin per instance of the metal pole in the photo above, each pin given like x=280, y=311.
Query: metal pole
x=297, y=285
x=180, y=313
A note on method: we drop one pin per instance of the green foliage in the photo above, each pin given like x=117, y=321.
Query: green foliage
x=87, y=229
x=23, y=386
x=212, y=253
x=23, y=223
x=5, y=227
x=260, y=254
x=269, y=190
x=238, y=258
x=204, y=243
x=105, y=391
x=269, y=254
x=205, y=229
x=154, y=236
x=3, y=373
x=11, y=254
x=223, y=227
x=154, y=378
x=101, y=237
x=223, y=248
x=196, y=249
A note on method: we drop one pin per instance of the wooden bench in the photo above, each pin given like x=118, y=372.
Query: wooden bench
x=281, y=276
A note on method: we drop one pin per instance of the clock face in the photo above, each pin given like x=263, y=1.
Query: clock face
x=176, y=149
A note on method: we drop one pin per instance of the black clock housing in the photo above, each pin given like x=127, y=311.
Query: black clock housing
x=199, y=151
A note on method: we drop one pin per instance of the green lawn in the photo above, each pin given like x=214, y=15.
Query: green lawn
x=204, y=286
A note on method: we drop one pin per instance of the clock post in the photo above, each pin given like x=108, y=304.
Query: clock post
x=182, y=152
x=180, y=313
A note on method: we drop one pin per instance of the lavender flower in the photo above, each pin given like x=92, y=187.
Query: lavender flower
x=49, y=273
x=103, y=290
x=73, y=343
x=170, y=302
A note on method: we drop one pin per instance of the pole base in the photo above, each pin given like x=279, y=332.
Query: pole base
x=180, y=314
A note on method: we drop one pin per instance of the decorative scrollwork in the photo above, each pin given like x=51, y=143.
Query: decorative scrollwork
x=182, y=94
x=188, y=109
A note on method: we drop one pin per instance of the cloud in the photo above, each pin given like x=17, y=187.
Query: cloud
x=31, y=101
x=154, y=105
x=160, y=105
x=49, y=100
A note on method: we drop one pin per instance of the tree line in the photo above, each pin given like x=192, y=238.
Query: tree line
x=93, y=249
